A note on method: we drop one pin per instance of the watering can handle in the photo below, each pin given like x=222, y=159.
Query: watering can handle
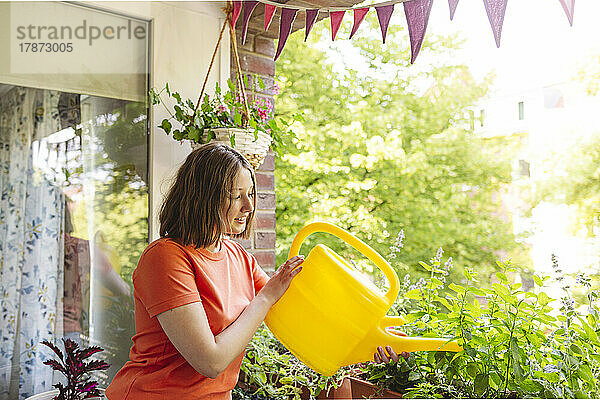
x=359, y=245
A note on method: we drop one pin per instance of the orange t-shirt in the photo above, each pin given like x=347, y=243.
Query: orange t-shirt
x=171, y=275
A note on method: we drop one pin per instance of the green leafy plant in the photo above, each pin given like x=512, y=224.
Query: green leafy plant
x=225, y=109
x=516, y=345
x=73, y=366
x=270, y=371
x=396, y=376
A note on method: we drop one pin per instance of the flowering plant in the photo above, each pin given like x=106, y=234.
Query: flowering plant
x=223, y=110
x=74, y=368
x=516, y=343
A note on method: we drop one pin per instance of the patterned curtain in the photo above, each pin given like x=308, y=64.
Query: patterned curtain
x=31, y=244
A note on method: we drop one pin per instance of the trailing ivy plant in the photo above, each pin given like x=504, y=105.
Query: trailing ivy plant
x=270, y=371
x=516, y=345
x=225, y=109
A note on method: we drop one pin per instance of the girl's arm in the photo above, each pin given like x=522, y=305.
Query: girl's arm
x=188, y=329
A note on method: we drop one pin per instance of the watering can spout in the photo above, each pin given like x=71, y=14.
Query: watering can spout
x=380, y=336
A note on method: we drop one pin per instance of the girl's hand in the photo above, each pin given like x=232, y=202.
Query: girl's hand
x=280, y=281
x=381, y=356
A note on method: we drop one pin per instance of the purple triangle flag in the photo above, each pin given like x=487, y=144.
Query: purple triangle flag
x=569, y=7
x=452, y=4
x=384, y=13
x=495, y=10
x=288, y=16
x=235, y=14
x=269, y=12
x=417, y=15
x=336, y=20
x=359, y=16
x=249, y=6
x=311, y=17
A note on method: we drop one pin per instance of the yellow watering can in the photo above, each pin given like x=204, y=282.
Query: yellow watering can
x=332, y=316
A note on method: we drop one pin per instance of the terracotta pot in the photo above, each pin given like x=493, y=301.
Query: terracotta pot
x=351, y=388
x=363, y=389
x=342, y=392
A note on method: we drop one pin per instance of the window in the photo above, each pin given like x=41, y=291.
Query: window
x=521, y=111
x=524, y=168
x=471, y=119
x=73, y=207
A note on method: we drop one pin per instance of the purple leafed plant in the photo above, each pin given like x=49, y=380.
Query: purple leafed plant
x=74, y=368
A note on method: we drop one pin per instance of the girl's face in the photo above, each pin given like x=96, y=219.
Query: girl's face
x=237, y=209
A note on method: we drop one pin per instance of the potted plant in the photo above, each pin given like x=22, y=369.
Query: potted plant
x=380, y=380
x=249, y=126
x=270, y=371
x=73, y=365
x=516, y=345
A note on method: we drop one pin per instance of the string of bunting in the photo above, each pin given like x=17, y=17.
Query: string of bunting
x=416, y=13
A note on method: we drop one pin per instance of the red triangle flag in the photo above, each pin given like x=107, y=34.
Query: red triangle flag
x=237, y=8
x=359, y=16
x=417, y=15
x=452, y=4
x=249, y=6
x=285, y=26
x=495, y=10
x=311, y=17
x=384, y=13
x=569, y=7
x=269, y=12
x=336, y=20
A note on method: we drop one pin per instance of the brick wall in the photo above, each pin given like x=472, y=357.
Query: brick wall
x=256, y=59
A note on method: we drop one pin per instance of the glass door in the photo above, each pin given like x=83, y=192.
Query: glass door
x=74, y=191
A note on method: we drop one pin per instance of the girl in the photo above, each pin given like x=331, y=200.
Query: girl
x=199, y=296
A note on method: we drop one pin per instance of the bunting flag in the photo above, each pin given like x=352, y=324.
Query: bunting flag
x=311, y=17
x=269, y=12
x=336, y=20
x=359, y=16
x=384, y=13
x=417, y=15
x=569, y=7
x=235, y=14
x=452, y=4
x=495, y=10
x=249, y=6
x=288, y=16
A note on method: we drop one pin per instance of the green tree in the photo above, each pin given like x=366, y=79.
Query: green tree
x=387, y=146
x=590, y=75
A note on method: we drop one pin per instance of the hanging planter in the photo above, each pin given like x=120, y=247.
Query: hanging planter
x=228, y=116
x=252, y=144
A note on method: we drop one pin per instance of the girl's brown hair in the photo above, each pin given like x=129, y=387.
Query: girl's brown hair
x=192, y=209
